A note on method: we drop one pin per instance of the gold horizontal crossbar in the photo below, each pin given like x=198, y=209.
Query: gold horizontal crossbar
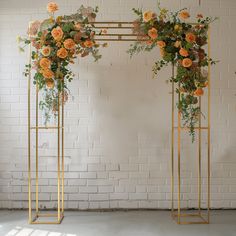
x=176, y=215
x=46, y=127
x=197, y=128
x=36, y=220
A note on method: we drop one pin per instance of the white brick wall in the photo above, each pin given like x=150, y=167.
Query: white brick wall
x=117, y=143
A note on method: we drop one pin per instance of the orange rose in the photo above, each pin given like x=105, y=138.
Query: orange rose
x=46, y=51
x=62, y=53
x=161, y=44
x=190, y=37
x=50, y=83
x=45, y=63
x=184, y=15
x=47, y=74
x=152, y=33
x=147, y=16
x=183, y=52
x=88, y=44
x=57, y=33
x=69, y=44
x=52, y=7
x=187, y=62
x=199, y=92
x=177, y=44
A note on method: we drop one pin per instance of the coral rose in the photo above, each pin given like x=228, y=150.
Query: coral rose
x=161, y=44
x=190, y=37
x=50, y=83
x=184, y=15
x=45, y=63
x=46, y=51
x=47, y=74
x=183, y=52
x=69, y=44
x=57, y=33
x=147, y=16
x=88, y=44
x=52, y=7
x=62, y=53
x=187, y=62
x=152, y=33
x=199, y=92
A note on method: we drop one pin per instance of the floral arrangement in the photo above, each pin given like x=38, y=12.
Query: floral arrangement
x=56, y=42
x=182, y=45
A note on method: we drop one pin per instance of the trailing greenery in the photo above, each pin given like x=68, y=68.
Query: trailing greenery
x=181, y=44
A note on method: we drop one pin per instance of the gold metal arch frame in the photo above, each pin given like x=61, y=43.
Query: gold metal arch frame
x=178, y=213
x=123, y=33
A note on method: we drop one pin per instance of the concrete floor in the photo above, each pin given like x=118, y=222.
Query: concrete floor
x=131, y=223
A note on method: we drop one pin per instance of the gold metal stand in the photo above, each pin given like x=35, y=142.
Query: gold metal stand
x=36, y=219
x=59, y=215
x=179, y=214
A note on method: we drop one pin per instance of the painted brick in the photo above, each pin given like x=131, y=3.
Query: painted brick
x=117, y=142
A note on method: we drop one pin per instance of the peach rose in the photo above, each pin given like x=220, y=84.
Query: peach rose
x=62, y=53
x=45, y=63
x=88, y=44
x=183, y=52
x=199, y=92
x=187, y=62
x=190, y=37
x=52, y=7
x=46, y=51
x=184, y=15
x=147, y=16
x=161, y=44
x=57, y=33
x=47, y=74
x=69, y=44
x=50, y=83
x=152, y=33
x=177, y=44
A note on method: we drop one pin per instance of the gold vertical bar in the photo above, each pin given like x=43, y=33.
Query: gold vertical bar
x=179, y=136
x=37, y=143
x=199, y=160
x=29, y=141
x=58, y=160
x=62, y=150
x=172, y=142
x=209, y=131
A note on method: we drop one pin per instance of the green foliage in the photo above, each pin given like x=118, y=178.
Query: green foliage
x=171, y=36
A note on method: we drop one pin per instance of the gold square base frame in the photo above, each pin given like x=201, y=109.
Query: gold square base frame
x=177, y=214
